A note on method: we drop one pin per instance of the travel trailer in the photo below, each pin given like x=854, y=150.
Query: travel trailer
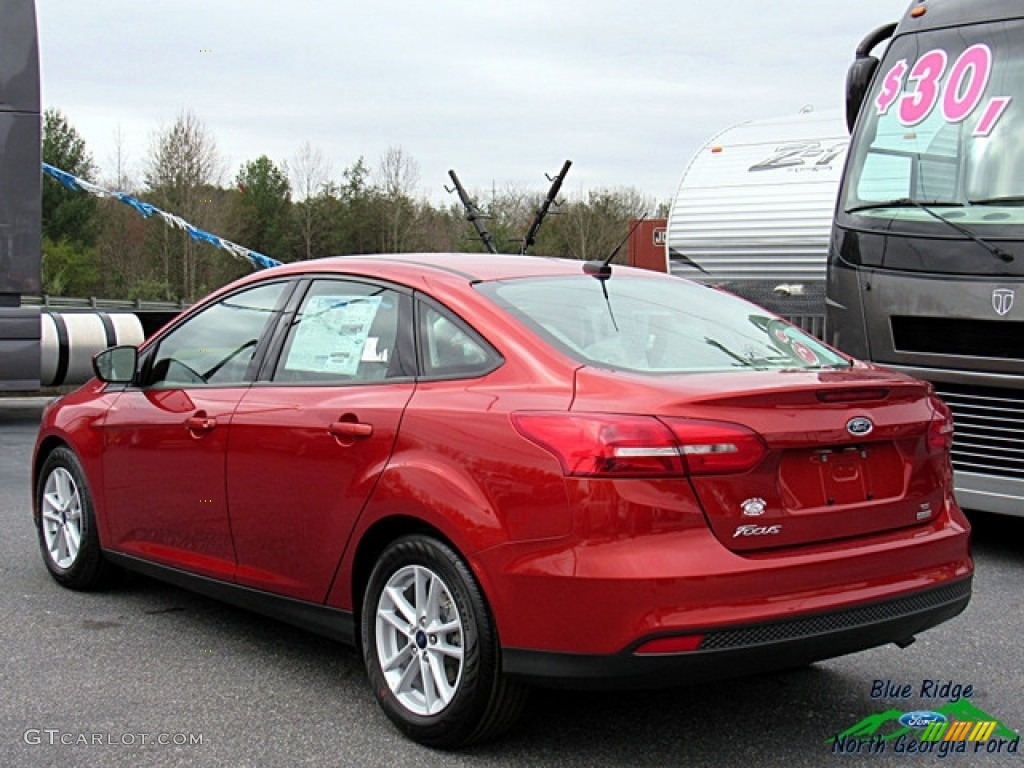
x=754, y=209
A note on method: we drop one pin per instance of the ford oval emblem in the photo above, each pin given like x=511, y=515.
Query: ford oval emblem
x=859, y=426
x=922, y=718
x=754, y=507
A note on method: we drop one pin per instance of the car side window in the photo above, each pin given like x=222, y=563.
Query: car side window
x=449, y=348
x=344, y=332
x=216, y=346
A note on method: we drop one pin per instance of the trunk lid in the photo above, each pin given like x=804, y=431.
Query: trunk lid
x=847, y=451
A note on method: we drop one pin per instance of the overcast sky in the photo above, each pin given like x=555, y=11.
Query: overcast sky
x=503, y=92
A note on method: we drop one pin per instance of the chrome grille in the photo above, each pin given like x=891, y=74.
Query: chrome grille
x=989, y=436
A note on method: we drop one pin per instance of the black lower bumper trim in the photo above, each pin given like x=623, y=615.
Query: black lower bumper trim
x=746, y=650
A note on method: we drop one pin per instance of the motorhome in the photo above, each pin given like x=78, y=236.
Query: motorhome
x=926, y=259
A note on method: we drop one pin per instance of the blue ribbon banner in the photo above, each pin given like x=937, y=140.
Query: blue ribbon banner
x=257, y=260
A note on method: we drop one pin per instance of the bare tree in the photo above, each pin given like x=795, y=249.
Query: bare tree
x=591, y=229
x=182, y=169
x=310, y=174
x=511, y=210
x=397, y=178
x=120, y=246
x=122, y=180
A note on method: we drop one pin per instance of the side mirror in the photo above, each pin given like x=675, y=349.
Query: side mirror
x=116, y=365
x=858, y=76
x=858, y=80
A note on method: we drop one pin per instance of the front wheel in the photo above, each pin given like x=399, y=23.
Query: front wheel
x=66, y=524
x=430, y=647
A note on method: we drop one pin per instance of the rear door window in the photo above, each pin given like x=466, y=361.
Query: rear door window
x=344, y=332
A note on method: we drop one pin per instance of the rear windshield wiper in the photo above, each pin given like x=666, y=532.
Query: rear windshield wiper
x=928, y=207
x=740, y=360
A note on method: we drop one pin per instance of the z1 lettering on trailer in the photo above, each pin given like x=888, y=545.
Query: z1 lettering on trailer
x=959, y=96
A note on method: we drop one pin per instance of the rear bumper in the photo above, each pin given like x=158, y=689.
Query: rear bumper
x=748, y=649
x=603, y=597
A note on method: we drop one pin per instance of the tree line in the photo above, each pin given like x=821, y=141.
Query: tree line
x=290, y=210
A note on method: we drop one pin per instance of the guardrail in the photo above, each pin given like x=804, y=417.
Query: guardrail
x=68, y=302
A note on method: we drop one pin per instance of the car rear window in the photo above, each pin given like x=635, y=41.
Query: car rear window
x=656, y=325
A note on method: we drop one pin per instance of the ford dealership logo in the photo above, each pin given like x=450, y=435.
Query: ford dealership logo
x=922, y=718
x=1002, y=301
x=859, y=426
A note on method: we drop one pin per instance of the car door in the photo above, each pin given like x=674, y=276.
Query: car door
x=165, y=440
x=309, y=440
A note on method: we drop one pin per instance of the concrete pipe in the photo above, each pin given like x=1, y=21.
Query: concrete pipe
x=70, y=339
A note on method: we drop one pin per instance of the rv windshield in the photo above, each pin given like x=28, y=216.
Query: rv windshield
x=942, y=127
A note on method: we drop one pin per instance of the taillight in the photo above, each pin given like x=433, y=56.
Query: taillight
x=613, y=445
x=604, y=445
x=940, y=428
x=716, y=447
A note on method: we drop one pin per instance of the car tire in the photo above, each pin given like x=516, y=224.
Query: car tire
x=66, y=524
x=431, y=649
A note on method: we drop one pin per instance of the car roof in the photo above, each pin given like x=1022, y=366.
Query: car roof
x=462, y=266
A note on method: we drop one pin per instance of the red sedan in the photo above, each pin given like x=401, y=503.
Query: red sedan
x=497, y=471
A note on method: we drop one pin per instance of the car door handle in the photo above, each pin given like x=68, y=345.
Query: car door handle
x=200, y=423
x=347, y=430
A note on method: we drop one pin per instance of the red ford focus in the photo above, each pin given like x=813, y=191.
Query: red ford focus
x=492, y=472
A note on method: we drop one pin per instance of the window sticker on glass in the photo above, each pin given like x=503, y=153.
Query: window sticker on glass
x=332, y=334
x=920, y=92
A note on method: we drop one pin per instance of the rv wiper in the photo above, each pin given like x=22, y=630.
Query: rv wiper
x=905, y=202
x=928, y=207
x=1006, y=200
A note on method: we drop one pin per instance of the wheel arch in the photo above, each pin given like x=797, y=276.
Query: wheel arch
x=483, y=702
x=46, y=446
x=373, y=542
x=87, y=568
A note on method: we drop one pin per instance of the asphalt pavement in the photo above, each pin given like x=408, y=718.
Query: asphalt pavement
x=149, y=675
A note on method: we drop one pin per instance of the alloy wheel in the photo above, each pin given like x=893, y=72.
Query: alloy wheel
x=420, y=641
x=62, y=518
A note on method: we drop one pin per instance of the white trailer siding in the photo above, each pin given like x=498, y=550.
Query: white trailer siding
x=756, y=202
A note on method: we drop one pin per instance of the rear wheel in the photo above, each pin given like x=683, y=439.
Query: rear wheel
x=430, y=647
x=67, y=525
